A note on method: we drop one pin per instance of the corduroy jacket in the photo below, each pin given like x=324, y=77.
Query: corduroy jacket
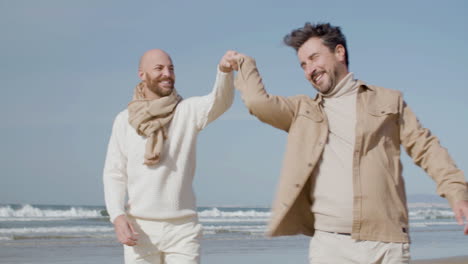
x=384, y=123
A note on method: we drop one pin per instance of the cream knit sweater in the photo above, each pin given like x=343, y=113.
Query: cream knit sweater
x=163, y=191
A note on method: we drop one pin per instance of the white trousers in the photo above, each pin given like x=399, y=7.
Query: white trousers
x=331, y=248
x=175, y=241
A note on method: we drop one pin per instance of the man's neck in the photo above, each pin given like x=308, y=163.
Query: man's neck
x=342, y=74
x=344, y=86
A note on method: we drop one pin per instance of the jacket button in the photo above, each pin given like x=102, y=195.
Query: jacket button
x=297, y=185
x=309, y=164
x=382, y=112
x=308, y=112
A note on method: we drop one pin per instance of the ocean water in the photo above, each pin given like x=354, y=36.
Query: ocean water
x=83, y=234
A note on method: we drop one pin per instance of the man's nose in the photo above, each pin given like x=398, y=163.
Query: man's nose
x=166, y=72
x=309, y=70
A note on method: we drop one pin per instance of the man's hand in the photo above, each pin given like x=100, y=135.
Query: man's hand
x=124, y=230
x=229, y=61
x=461, y=210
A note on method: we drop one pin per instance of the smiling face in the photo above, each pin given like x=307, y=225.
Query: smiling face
x=157, y=72
x=322, y=68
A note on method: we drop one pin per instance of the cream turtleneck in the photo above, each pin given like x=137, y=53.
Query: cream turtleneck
x=332, y=192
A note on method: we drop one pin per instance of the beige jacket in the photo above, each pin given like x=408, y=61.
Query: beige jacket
x=384, y=122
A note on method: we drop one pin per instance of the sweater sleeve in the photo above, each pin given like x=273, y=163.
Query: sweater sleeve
x=209, y=107
x=115, y=176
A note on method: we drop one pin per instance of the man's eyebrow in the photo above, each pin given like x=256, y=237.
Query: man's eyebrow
x=312, y=55
x=157, y=65
x=309, y=57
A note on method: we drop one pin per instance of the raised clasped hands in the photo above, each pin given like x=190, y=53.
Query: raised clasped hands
x=229, y=61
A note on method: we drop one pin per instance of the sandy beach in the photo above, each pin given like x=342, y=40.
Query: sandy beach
x=454, y=260
x=226, y=251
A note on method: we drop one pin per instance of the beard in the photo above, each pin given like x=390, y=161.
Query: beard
x=154, y=86
x=327, y=87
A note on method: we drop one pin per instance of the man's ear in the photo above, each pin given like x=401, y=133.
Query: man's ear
x=340, y=53
x=141, y=75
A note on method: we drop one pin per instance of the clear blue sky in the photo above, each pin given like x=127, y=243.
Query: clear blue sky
x=68, y=67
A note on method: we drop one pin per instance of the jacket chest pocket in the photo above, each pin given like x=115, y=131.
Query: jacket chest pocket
x=309, y=112
x=383, y=110
x=383, y=120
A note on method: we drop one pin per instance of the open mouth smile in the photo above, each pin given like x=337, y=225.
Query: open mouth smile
x=317, y=76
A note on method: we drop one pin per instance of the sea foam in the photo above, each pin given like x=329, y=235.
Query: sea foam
x=32, y=212
x=251, y=213
x=55, y=230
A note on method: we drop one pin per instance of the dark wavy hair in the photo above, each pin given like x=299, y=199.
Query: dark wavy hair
x=331, y=36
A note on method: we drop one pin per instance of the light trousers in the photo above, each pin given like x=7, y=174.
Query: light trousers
x=175, y=241
x=332, y=248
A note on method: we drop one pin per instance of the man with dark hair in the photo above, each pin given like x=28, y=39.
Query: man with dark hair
x=151, y=160
x=331, y=37
x=341, y=180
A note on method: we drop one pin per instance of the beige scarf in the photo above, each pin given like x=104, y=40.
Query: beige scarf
x=150, y=118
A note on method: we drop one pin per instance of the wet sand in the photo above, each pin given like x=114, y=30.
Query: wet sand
x=228, y=251
x=454, y=260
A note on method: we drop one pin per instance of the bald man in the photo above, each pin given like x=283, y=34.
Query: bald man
x=151, y=160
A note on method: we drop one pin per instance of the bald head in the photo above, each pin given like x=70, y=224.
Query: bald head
x=152, y=57
x=157, y=72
